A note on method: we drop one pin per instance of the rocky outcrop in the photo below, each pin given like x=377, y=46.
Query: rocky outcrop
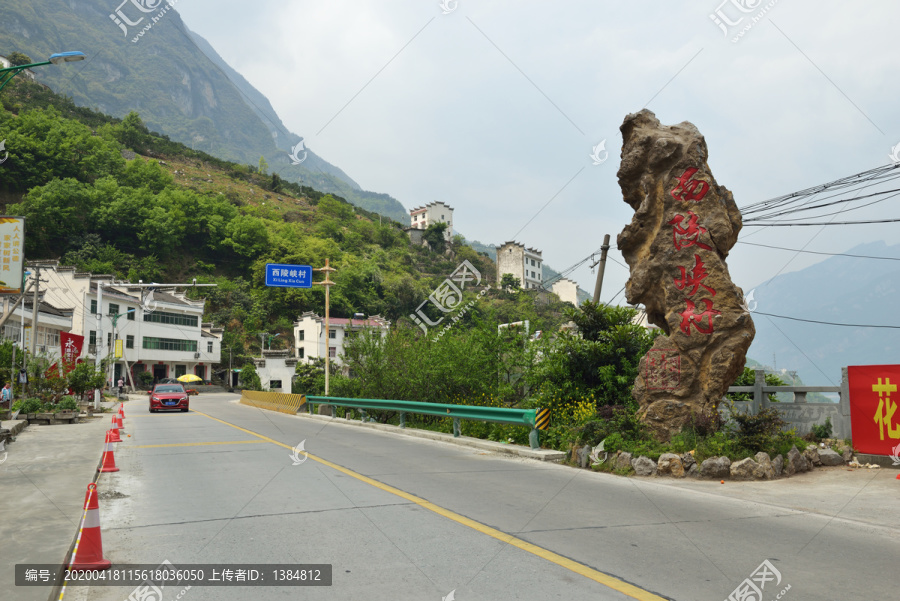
x=830, y=457
x=778, y=465
x=676, y=244
x=795, y=463
x=764, y=468
x=743, y=469
x=644, y=466
x=670, y=464
x=811, y=454
x=623, y=460
x=716, y=467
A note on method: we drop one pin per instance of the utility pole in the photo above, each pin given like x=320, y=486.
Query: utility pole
x=262, y=341
x=602, y=263
x=328, y=284
x=34, y=310
x=98, y=342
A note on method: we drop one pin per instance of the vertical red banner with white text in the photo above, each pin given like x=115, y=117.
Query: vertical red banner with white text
x=71, y=345
x=874, y=414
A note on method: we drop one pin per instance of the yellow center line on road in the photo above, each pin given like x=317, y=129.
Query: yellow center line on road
x=605, y=579
x=192, y=444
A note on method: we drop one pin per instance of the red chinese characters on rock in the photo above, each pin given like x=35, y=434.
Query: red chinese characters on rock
x=689, y=317
x=688, y=188
x=695, y=279
x=662, y=370
x=687, y=235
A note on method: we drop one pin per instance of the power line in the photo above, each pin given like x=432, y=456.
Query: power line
x=828, y=323
x=813, y=252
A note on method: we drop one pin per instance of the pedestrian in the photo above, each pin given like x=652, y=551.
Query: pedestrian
x=6, y=394
x=121, y=386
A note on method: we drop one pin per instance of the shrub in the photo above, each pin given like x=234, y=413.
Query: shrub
x=67, y=404
x=758, y=432
x=820, y=431
x=31, y=406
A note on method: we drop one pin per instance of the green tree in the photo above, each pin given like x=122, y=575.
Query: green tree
x=249, y=378
x=748, y=378
x=263, y=167
x=17, y=59
x=434, y=235
x=85, y=376
x=510, y=283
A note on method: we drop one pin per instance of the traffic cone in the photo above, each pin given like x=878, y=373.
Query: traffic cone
x=119, y=422
x=114, y=436
x=122, y=411
x=109, y=459
x=115, y=423
x=88, y=553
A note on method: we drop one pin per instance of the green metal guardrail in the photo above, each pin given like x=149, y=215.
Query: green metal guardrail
x=518, y=417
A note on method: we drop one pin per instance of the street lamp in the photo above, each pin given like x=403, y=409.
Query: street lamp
x=8, y=73
x=270, y=340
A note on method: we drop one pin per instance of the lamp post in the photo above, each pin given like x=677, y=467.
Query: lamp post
x=8, y=73
x=270, y=340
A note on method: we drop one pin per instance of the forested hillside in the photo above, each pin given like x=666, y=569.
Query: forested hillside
x=109, y=196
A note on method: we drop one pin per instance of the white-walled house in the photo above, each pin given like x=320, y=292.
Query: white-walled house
x=434, y=212
x=309, y=334
x=276, y=370
x=51, y=321
x=161, y=332
x=523, y=263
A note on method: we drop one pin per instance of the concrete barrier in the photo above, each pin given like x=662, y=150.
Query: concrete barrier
x=274, y=401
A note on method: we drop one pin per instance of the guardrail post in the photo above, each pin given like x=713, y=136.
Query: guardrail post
x=455, y=427
x=402, y=420
x=534, y=439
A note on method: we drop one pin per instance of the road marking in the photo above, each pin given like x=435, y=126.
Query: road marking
x=605, y=579
x=192, y=444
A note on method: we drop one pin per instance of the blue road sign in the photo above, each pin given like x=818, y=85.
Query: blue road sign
x=288, y=276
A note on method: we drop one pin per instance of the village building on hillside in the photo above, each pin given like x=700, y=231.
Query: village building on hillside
x=309, y=334
x=566, y=290
x=523, y=263
x=435, y=212
x=156, y=331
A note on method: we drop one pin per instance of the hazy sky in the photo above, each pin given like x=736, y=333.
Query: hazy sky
x=495, y=106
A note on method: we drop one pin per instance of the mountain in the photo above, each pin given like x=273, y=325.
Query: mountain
x=840, y=289
x=174, y=79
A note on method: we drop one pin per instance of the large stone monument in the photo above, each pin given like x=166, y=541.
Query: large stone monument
x=683, y=227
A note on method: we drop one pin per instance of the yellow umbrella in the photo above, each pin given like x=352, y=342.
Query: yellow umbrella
x=189, y=378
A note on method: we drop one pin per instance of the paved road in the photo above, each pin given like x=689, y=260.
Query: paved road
x=402, y=518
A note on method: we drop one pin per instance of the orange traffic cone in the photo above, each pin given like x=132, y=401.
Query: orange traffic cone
x=119, y=422
x=114, y=436
x=115, y=424
x=122, y=411
x=109, y=459
x=88, y=553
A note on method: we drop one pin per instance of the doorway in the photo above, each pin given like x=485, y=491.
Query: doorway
x=159, y=373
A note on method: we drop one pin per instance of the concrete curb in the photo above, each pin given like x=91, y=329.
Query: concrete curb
x=882, y=460
x=14, y=425
x=465, y=441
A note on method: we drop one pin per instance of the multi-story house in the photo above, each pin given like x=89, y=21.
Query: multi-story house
x=160, y=332
x=434, y=212
x=51, y=321
x=310, y=339
x=523, y=263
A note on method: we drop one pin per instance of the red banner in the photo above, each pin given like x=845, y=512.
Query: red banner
x=874, y=415
x=71, y=349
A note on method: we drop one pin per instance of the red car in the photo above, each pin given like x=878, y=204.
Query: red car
x=168, y=396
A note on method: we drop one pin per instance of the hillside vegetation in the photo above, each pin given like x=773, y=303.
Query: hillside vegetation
x=171, y=213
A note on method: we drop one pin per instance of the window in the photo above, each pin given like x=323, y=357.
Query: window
x=92, y=338
x=109, y=339
x=273, y=384
x=332, y=351
x=169, y=344
x=332, y=333
x=209, y=346
x=180, y=370
x=113, y=309
x=172, y=318
x=131, y=313
x=129, y=341
x=301, y=334
x=300, y=352
x=94, y=307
